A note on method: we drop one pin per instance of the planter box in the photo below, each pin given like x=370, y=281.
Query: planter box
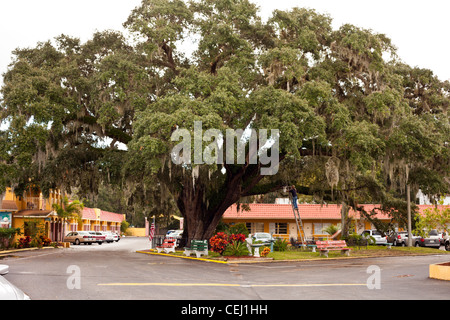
x=440, y=271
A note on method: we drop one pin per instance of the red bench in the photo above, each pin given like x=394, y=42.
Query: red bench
x=333, y=245
x=168, y=245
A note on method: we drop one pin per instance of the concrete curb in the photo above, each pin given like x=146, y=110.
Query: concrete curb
x=249, y=261
x=253, y=260
x=440, y=271
x=182, y=257
x=7, y=252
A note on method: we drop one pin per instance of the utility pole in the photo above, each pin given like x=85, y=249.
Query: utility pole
x=408, y=201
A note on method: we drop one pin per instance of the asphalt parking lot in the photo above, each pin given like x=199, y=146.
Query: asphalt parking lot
x=117, y=272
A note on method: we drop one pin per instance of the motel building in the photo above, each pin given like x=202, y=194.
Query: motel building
x=33, y=211
x=278, y=219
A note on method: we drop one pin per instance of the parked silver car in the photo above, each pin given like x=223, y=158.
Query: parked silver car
x=8, y=291
x=79, y=237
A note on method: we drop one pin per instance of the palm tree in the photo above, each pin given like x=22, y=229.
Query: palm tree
x=68, y=210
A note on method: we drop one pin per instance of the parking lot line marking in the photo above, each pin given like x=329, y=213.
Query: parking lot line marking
x=311, y=285
x=173, y=284
x=234, y=285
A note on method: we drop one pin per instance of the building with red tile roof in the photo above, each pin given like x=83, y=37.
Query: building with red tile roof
x=279, y=220
x=94, y=219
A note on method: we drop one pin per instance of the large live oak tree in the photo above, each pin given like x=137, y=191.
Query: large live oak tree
x=355, y=123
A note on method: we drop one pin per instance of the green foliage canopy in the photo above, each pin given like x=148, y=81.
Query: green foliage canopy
x=104, y=110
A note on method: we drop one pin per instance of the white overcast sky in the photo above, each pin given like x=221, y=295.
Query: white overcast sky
x=418, y=28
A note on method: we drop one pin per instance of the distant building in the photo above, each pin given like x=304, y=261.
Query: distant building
x=424, y=199
x=32, y=208
x=279, y=220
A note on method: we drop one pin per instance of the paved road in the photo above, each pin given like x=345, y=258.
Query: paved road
x=116, y=271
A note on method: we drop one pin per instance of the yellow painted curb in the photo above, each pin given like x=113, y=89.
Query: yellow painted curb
x=440, y=271
x=7, y=252
x=182, y=257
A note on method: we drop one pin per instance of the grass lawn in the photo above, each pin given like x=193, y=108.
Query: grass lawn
x=370, y=251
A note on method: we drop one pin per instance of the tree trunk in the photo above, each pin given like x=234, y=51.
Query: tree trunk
x=344, y=220
x=201, y=220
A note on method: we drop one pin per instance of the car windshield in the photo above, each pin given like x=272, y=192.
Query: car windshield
x=433, y=233
x=263, y=236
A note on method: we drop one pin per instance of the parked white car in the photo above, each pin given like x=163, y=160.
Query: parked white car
x=376, y=235
x=98, y=236
x=8, y=291
x=110, y=236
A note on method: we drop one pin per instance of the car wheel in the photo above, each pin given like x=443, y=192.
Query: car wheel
x=77, y=242
x=447, y=246
x=417, y=244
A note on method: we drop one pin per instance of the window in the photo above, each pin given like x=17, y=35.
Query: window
x=281, y=228
x=254, y=227
x=319, y=228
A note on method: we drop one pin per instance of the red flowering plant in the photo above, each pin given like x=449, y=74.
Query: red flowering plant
x=42, y=241
x=219, y=242
x=24, y=242
x=237, y=237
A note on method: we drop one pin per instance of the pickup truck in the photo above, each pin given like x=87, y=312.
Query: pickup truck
x=433, y=240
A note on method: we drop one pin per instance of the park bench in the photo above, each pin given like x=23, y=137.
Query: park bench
x=167, y=246
x=198, y=247
x=333, y=245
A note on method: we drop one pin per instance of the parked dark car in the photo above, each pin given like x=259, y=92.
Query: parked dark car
x=433, y=240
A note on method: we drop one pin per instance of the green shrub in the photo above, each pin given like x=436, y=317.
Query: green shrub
x=358, y=240
x=7, y=236
x=331, y=229
x=236, y=248
x=280, y=245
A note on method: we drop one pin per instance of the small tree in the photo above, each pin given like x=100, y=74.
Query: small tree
x=124, y=226
x=67, y=210
x=433, y=218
